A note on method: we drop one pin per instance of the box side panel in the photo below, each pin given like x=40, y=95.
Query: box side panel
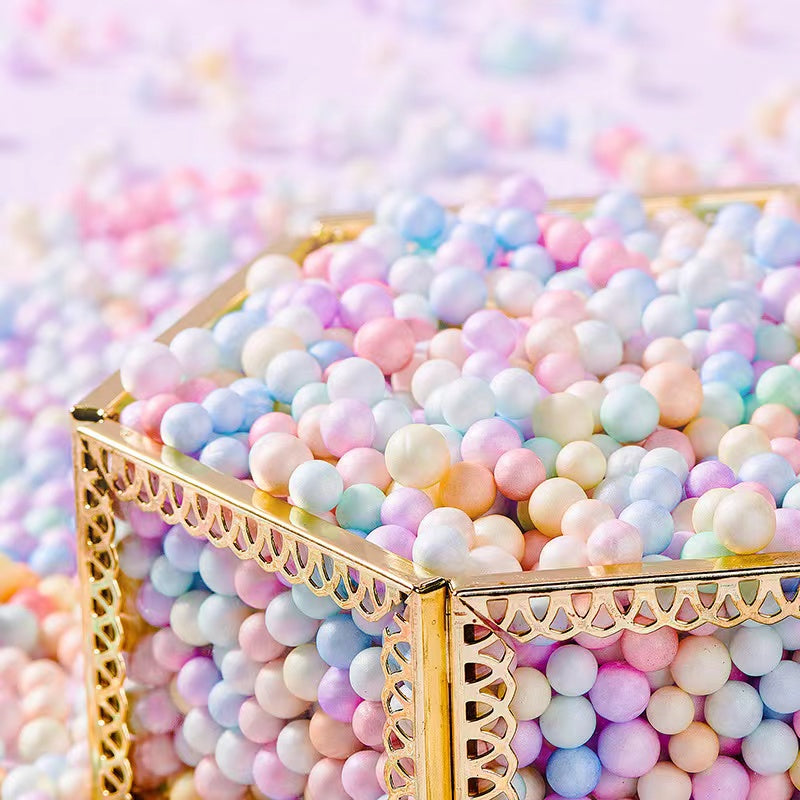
x=122, y=484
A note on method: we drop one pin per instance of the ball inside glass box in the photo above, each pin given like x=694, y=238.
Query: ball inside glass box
x=239, y=646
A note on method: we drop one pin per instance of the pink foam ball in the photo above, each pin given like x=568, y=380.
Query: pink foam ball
x=153, y=412
x=195, y=390
x=256, y=724
x=560, y=304
x=387, y=342
x=527, y=742
x=363, y=303
x=459, y=253
x=368, y=721
x=156, y=713
x=614, y=542
x=668, y=437
x=650, y=651
x=534, y=544
x=157, y=755
x=273, y=422
x=614, y=787
x=406, y=507
x=364, y=465
x=315, y=264
x=629, y=749
x=558, y=371
x=256, y=641
x=752, y=486
x=486, y=440
x=346, y=424
x=620, y=693
x=325, y=781
x=565, y=238
x=768, y=787
x=275, y=780
x=394, y=539
x=726, y=777
x=448, y=344
x=489, y=329
x=211, y=784
x=169, y=651
x=518, y=472
x=603, y=257
x=354, y=263
x=255, y=586
x=787, y=531
x=149, y=369
x=358, y=776
x=789, y=449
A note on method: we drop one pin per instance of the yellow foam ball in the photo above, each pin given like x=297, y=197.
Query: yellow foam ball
x=564, y=418
x=744, y=522
x=417, y=456
x=582, y=462
x=741, y=442
x=704, y=508
x=549, y=501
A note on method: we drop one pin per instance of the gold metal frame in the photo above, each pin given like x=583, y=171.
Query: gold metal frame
x=449, y=649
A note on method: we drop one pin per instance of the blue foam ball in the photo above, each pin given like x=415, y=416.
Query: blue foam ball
x=658, y=484
x=339, y=641
x=226, y=408
x=573, y=773
x=654, y=523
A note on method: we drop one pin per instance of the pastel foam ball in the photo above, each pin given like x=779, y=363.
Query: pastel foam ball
x=664, y=782
x=550, y=500
x=568, y=721
x=442, y=550
x=186, y=427
x=262, y=345
x=516, y=392
x=702, y=665
x=620, y=693
x=677, y=390
x=581, y=462
x=629, y=749
x=614, y=542
x=417, y=456
x=650, y=651
x=755, y=650
x=725, y=775
x=779, y=688
x=149, y=369
x=771, y=748
x=629, y=413
x=658, y=485
x=694, y=749
x=366, y=674
x=469, y=487
x=518, y=472
x=735, y=710
x=563, y=418
x=571, y=670
x=287, y=624
x=387, y=342
x=654, y=523
x=741, y=442
x=670, y=710
x=772, y=471
x=273, y=459
x=466, y=401
x=316, y=486
x=456, y=293
x=744, y=522
x=294, y=748
x=346, y=424
x=581, y=518
x=274, y=779
x=533, y=694
x=573, y=772
x=486, y=440
x=356, y=379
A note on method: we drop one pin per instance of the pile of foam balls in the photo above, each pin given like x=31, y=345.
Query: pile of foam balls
x=506, y=388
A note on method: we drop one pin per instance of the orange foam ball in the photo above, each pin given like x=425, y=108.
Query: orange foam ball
x=678, y=391
x=468, y=486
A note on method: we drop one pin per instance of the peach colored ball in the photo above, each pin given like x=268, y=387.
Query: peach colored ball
x=272, y=422
x=534, y=544
x=518, y=472
x=581, y=518
x=448, y=344
x=331, y=738
x=563, y=552
x=789, y=449
x=401, y=380
x=308, y=431
x=500, y=531
x=469, y=487
x=614, y=542
x=666, y=348
x=664, y=782
x=549, y=502
x=744, y=522
x=387, y=342
x=563, y=418
x=325, y=781
x=704, y=434
x=771, y=787
x=364, y=465
x=775, y=420
x=678, y=391
x=695, y=748
x=670, y=710
x=650, y=651
x=741, y=442
x=702, y=665
x=582, y=462
x=602, y=257
x=566, y=238
x=491, y=560
x=558, y=371
x=682, y=515
x=274, y=458
x=550, y=336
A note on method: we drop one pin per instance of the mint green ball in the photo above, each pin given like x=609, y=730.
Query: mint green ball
x=629, y=413
x=781, y=385
x=704, y=545
x=721, y=401
x=360, y=507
